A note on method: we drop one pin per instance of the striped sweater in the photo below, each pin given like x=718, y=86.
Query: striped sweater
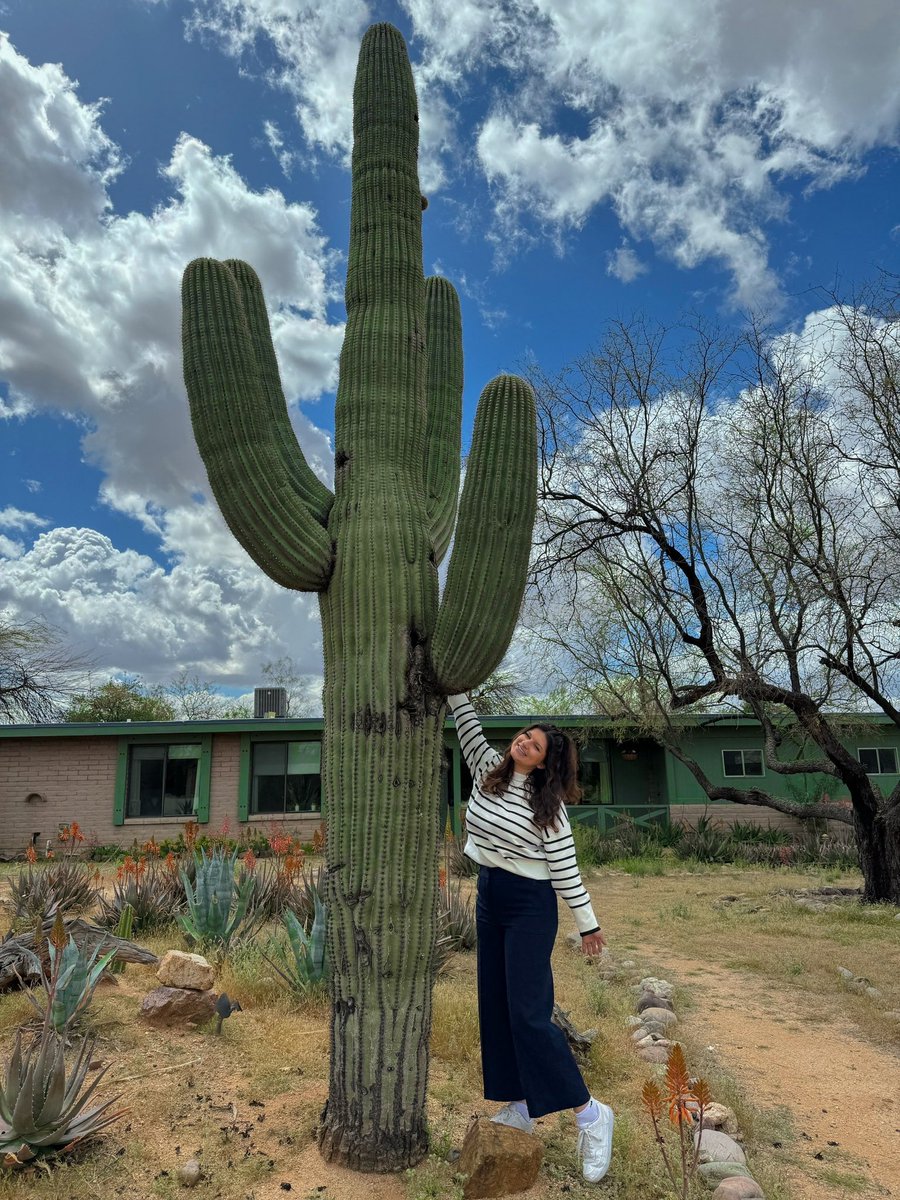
x=501, y=829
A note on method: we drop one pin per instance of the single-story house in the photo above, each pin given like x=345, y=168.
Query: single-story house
x=128, y=782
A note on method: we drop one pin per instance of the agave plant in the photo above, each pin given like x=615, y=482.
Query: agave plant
x=39, y=889
x=42, y=1107
x=305, y=969
x=457, y=918
x=73, y=975
x=217, y=904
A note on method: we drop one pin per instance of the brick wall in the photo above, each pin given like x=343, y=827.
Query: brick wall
x=77, y=779
x=726, y=815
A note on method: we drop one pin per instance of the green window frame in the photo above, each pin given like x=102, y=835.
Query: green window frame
x=738, y=768
x=123, y=764
x=306, y=760
x=878, y=760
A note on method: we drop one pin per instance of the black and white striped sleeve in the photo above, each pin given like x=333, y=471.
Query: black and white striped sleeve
x=479, y=756
x=559, y=850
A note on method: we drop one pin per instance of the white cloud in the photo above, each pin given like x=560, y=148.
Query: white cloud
x=623, y=264
x=16, y=518
x=90, y=327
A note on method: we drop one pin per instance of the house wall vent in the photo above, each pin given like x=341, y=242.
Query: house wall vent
x=270, y=702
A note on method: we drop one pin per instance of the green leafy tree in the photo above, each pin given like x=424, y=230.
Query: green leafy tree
x=123, y=699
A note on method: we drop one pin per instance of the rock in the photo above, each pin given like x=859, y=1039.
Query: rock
x=893, y=1015
x=633, y=1022
x=654, y=1054
x=718, y=1147
x=715, y=1172
x=657, y=987
x=738, y=1187
x=180, y=970
x=178, y=1006
x=651, y=1000
x=629, y=963
x=188, y=1174
x=498, y=1160
x=845, y=974
x=720, y=1116
x=874, y=992
x=658, y=1016
x=638, y=1035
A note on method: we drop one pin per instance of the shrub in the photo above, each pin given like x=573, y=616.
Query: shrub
x=151, y=887
x=62, y=885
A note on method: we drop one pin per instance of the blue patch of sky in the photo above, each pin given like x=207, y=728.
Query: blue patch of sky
x=46, y=450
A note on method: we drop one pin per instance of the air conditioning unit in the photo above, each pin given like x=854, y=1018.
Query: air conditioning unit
x=270, y=702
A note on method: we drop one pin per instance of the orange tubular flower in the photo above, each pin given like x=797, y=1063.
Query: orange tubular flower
x=31, y=854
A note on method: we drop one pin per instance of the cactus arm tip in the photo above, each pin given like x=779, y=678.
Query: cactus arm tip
x=444, y=409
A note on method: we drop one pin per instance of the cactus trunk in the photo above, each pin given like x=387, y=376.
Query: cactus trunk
x=392, y=651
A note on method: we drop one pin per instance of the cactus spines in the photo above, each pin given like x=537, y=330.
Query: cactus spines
x=392, y=651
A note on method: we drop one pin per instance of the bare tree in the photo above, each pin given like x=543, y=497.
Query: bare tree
x=37, y=672
x=723, y=514
x=193, y=698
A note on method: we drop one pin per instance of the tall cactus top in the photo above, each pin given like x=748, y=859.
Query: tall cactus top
x=398, y=412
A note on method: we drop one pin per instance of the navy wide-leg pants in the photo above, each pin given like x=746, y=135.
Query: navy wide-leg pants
x=523, y=1054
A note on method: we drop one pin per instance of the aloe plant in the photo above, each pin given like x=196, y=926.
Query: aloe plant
x=42, y=1106
x=217, y=903
x=393, y=648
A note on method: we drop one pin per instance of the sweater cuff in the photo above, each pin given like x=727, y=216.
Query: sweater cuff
x=456, y=701
x=588, y=932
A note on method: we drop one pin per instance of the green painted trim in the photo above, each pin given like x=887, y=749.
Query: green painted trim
x=244, y=779
x=203, y=778
x=671, y=783
x=456, y=797
x=121, y=782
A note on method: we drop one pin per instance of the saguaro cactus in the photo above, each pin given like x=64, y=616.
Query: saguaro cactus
x=371, y=551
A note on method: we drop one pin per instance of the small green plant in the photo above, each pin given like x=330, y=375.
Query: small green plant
x=123, y=930
x=434, y=1179
x=62, y=884
x=217, y=904
x=686, y=1101
x=73, y=976
x=303, y=965
x=457, y=917
x=459, y=862
x=42, y=1106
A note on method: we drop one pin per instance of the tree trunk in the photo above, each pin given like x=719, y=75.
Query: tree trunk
x=878, y=839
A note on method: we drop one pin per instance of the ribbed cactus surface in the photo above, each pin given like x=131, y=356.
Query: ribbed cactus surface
x=392, y=650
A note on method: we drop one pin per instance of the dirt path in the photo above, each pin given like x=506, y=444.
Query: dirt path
x=844, y=1092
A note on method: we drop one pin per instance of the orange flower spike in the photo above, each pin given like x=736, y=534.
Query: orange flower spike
x=63, y=835
x=249, y=860
x=678, y=1086
x=58, y=932
x=96, y=877
x=120, y=873
x=31, y=854
x=171, y=862
x=75, y=832
x=652, y=1099
x=50, y=855
x=442, y=878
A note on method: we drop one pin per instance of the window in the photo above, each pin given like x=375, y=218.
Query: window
x=738, y=763
x=163, y=781
x=285, y=778
x=881, y=760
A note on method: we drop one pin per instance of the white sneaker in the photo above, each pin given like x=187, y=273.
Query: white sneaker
x=594, y=1147
x=512, y=1117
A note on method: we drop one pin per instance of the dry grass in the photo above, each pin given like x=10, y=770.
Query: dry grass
x=248, y=1101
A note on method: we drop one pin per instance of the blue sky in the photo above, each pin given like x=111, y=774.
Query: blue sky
x=583, y=162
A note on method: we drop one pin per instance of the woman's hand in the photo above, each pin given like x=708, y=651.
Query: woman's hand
x=593, y=943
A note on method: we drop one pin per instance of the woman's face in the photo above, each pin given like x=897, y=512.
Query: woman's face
x=529, y=749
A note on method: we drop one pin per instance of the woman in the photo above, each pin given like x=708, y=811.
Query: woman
x=520, y=836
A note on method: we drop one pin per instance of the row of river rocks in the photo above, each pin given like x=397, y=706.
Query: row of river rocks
x=186, y=995
x=721, y=1162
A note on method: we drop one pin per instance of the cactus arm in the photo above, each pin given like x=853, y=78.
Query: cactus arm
x=304, y=482
x=493, y=539
x=444, y=420
x=242, y=458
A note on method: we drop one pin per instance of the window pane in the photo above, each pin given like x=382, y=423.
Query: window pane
x=145, y=781
x=869, y=760
x=304, y=793
x=590, y=778
x=753, y=762
x=267, y=792
x=180, y=796
x=887, y=760
x=733, y=762
x=183, y=752
x=303, y=758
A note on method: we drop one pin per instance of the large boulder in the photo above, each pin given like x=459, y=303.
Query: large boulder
x=178, y=1006
x=720, y=1116
x=656, y=987
x=497, y=1160
x=714, y=1173
x=652, y=1000
x=181, y=970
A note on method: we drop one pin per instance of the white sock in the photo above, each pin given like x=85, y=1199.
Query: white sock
x=588, y=1115
x=521, y=1108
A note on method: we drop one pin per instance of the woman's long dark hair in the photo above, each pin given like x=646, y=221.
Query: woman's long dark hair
x=553, y=784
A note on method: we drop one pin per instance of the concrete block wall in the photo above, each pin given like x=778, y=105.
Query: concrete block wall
x=726, y=815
